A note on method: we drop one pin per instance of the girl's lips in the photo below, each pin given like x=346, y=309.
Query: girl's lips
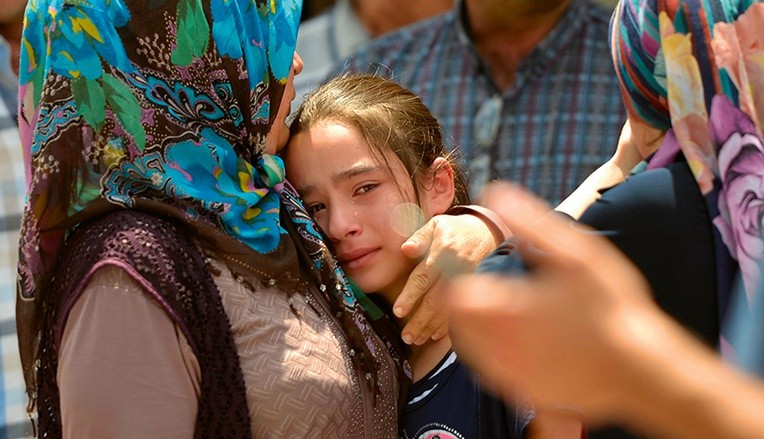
x=359, y=261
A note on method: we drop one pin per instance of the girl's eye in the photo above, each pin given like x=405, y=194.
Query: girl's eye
x=315, y=207
x=366, y=188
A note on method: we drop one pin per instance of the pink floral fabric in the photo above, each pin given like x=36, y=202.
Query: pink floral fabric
x=696, y=69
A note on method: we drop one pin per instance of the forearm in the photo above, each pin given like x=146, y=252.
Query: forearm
x=607, y=175
x=627, y=155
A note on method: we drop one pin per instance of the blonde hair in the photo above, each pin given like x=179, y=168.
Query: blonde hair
x=388, y=116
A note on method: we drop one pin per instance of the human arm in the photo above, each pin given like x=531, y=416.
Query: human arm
x=447, y=245
x=124, y=368
x=635, y=143
x=580, y=330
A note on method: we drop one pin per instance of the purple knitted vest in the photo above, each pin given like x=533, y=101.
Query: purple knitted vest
x=164, y=258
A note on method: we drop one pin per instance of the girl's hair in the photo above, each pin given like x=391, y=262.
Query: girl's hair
x=389, y=117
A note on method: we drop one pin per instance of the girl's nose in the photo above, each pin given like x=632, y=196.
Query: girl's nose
x=343, y=224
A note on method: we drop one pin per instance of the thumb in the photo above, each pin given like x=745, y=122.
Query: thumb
x=418, y=244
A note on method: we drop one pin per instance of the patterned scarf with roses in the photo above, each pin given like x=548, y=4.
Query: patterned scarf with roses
x=696, y=70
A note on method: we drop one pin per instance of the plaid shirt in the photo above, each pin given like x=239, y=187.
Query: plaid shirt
x=14, y=422
x=559, y=120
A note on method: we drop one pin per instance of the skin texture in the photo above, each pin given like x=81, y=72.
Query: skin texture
x=608, y=350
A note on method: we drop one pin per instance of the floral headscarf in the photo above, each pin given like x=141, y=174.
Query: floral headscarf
x=162, y=105
x=696, y=69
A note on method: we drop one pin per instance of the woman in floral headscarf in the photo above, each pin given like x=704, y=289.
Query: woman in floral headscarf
x=692, y=79
x=170, y=280
x=695, y=71
x=692, y=76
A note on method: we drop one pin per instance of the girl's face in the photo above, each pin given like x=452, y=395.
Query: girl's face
x=358, y=200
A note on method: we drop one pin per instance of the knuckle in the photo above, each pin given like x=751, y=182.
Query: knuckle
x=421, y=281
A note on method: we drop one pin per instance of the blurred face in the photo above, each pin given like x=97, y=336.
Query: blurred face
x=355, y=198
x=12, y=12
x=278, y=136
x=382, y=16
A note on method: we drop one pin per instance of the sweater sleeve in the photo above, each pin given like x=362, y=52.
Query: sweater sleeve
x=125, y=369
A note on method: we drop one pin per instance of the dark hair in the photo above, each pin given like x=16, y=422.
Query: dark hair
x=388, y=116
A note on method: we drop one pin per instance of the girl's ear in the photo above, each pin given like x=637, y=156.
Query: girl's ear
x=438, y=192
